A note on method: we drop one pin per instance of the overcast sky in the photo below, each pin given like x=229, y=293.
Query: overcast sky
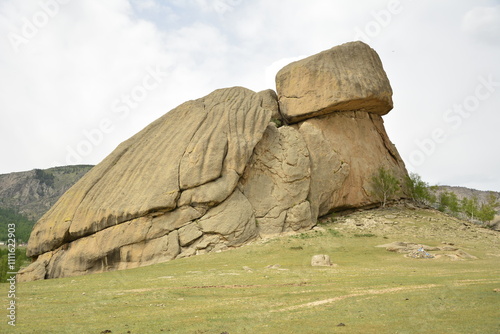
x=79, y=77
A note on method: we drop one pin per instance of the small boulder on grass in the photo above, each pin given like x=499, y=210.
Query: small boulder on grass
x=321, y=260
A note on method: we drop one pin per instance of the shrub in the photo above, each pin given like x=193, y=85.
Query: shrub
x=44, y=177
x=419, y=190
x=488, y=210
x=385, y=185
x=449, y=201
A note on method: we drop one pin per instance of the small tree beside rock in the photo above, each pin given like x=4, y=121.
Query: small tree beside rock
x=384, y=185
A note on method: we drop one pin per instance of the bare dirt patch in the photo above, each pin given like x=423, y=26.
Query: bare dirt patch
x=360, y=294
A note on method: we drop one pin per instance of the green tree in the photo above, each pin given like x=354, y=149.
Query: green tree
x=385, y=185
x=470, y=206
x=44, y=177
x=23, y=225
x=488, y=210
x=419, y=190
x=448, y=201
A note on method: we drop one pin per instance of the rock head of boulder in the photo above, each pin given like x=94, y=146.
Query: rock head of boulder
x=216, y=173
x=348, y=77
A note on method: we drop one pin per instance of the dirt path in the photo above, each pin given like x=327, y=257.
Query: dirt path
x=384, y=291
x=363, y=293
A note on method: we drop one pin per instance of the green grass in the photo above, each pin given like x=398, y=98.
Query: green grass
x=364, y=235
x=370, y=291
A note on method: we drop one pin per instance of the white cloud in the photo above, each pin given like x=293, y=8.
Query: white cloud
x=483, y=23
x=65, y=79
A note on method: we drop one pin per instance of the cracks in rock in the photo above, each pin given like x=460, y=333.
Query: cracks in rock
x=67, y=236
x=365, y=192
x=295, y=97
x=341, y=166
x=200, y=124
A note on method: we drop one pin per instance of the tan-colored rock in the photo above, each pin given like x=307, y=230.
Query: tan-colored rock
x=346, y=149
x=276, y=181
x=216, y=173
x=299, y=217
x=36, y=270
x=234, y=218
x=171, y=172
x=189, y=233
x=321, y=260
x=192, y=146
x=348, y=77
x=270, y=102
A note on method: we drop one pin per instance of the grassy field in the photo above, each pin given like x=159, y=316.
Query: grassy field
x=270, y=287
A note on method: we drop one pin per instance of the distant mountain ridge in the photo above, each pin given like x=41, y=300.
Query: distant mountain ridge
x=463, y=192
x=33, y=192
x=481, y=196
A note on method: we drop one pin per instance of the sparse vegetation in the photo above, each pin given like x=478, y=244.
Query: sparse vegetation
x=419, y=190
x=278, y=122
x=487, y=211
x=23, y=225
x=384, y=185
x=364, y=235
x=20, y=260
x=448, y=202
x=44, y=177
x=370, y=290
x=334, y=233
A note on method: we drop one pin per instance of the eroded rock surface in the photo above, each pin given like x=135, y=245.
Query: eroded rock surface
x=277, y=181
x=126, y=211
x=346, y=149
x=347, y=77
x=216, y=173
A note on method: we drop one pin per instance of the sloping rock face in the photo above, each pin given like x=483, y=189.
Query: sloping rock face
x=216, y=173
x=277, y=182
x=336, y=98
x=129, y=209
x=347, y=77
x=346, y=149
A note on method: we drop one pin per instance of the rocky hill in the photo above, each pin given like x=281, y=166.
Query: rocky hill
x=482, y=198
x=32, y=193
x=463, y=192
x=218, y=172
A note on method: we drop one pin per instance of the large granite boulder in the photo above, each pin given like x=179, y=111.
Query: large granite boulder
x=348, y=77
x=220, y=171
x=127, y=210
x=346, y=150
x=277, y=182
